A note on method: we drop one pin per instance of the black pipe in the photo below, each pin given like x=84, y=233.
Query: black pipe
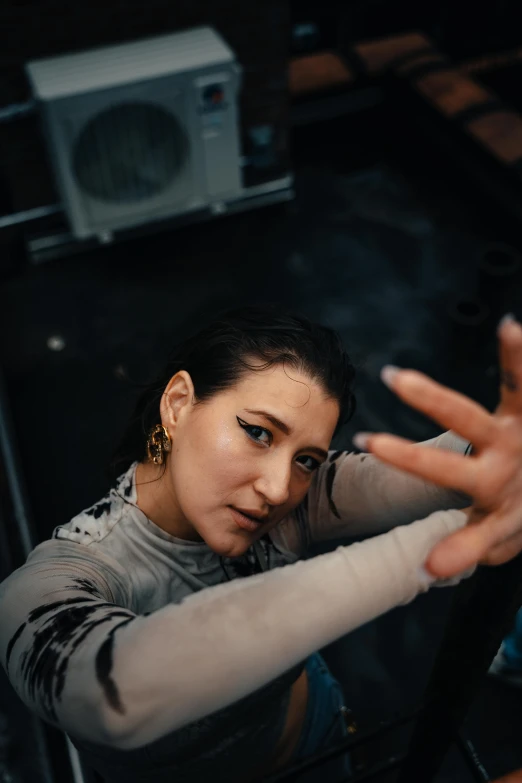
x=482, y=614
x=345, y=745
x=379, y=769
x=471, y=757
x=382, y=768
x=16, y=111
x=28, y=215
x=15, y=483
x=10, y=462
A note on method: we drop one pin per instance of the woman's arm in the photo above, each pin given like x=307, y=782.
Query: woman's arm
x=357, y=494
x=104, y=674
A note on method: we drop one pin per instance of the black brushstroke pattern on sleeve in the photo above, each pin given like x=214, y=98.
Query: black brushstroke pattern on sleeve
x=104, y=668
x=330, y=478
x=44, y=609
x=301, y=514
x=86, y=585
x=12, y=641
x=336, y=454
x=44, y=665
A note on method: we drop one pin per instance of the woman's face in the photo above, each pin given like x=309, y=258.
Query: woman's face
x=250, y=451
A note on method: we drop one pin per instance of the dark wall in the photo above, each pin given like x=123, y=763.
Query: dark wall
x=258, y=32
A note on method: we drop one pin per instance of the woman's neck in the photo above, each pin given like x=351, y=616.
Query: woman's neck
x=157, y=499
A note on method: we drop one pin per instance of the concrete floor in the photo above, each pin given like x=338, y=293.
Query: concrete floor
x=379, y=242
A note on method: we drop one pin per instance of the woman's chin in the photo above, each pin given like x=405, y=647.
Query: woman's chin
x=230, y=544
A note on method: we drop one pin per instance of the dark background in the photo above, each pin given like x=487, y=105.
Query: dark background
x=387, y=231
x=461, y=28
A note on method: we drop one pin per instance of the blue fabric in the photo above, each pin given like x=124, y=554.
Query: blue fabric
x=513, y=644
x=324, y=725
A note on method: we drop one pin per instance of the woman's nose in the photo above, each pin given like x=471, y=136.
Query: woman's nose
x=274, y=482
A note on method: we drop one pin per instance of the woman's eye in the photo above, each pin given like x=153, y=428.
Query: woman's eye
x=310, y=463
x=259, y=434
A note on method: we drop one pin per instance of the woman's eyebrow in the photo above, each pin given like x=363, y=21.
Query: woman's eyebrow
x=275, y=421
x=286, y=429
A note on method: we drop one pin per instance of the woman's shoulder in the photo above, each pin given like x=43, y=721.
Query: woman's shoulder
x=93, y=524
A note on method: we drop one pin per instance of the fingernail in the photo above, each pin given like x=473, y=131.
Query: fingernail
x=507, y=319
x=361, y=440
x=425, y=577
x=388, y=373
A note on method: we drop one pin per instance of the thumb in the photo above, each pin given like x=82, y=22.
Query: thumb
x=458, y=552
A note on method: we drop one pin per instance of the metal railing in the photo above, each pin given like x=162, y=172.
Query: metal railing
x=18, y=496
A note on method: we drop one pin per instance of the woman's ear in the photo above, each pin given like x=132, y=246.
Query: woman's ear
x=177, y=399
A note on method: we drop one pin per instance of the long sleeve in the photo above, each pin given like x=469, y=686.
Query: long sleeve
x=84, y=662
x=357, y=494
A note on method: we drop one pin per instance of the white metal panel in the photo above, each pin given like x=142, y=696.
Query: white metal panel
x=123, y=64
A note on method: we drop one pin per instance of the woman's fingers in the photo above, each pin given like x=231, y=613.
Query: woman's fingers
x=510, y=357
x=493, y=478
x=452, y=410
x=505, y=551
x=474, y=543
x=456, y=553
x=445, y=468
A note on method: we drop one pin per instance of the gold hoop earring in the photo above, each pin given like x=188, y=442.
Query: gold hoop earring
x=159, y=443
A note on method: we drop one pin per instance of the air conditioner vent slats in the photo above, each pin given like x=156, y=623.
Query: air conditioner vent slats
x=129, y=153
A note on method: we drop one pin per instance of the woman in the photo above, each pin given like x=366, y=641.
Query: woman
x=133, y=630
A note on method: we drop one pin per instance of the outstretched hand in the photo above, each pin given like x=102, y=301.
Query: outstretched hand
x=492, y=476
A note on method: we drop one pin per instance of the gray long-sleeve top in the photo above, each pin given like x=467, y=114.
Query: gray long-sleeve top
x=122, y=635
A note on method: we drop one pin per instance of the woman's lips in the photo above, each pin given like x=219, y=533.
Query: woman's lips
x=244, y=522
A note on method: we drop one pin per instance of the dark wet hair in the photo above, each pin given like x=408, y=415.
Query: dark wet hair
x=221, y=353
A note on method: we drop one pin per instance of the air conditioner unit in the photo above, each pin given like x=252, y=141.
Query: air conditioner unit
x=141, y=131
